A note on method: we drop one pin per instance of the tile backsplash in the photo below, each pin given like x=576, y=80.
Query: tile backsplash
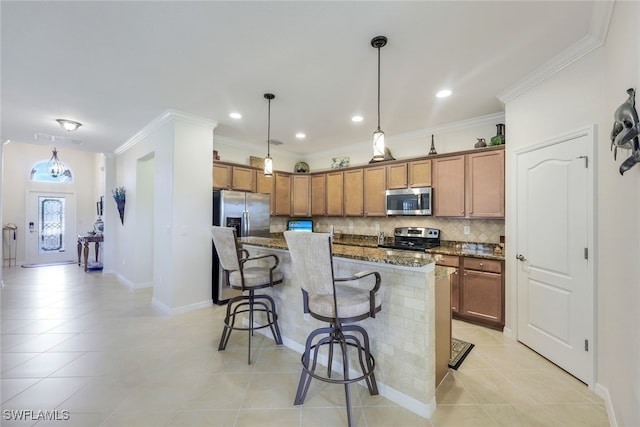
x=480, y=230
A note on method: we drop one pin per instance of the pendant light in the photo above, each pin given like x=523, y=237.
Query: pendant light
x=68, y=125
x=268, y=161
x=378, y=136
x=55, y=166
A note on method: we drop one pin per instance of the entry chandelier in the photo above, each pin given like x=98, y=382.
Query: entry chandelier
x=68, y=125
x=55, y=166
x=378, y=136
x=268, y=161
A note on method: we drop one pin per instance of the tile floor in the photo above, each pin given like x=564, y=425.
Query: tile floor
x=86, y=344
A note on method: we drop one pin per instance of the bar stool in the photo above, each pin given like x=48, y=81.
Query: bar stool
x=327, y=299
x=246, y=279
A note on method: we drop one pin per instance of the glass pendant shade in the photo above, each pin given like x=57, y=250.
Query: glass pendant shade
x=55, y=166
x=378, y=145
x=268, y=166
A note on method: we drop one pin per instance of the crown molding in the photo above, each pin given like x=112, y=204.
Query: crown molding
x=164, y=118
x=598, y=28
x=489, y=119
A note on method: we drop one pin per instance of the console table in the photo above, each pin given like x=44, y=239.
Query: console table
x=96, y=239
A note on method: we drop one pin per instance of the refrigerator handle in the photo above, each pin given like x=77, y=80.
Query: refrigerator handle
x=247, y=226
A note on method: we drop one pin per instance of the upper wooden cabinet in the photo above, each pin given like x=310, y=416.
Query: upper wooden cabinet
x=335, y=193
x=470, y=185
x=301, y=195
x=485, y=184
x=374, y=191
x=319, y=194
x=282, y=184
x=229, y=177
x=419, y=173
x=448, y=186
x=353, y=192
x=222, y=176
x=397, y=176
x=409, y=175
x=265, y=184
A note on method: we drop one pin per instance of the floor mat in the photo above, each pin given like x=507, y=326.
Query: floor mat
x=48, y=264
x=459, y=350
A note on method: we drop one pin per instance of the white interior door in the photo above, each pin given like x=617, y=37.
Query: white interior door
x=554, y=278
x=50, y=227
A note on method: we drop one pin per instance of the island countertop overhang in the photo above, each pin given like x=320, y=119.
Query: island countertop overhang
x=360, y=253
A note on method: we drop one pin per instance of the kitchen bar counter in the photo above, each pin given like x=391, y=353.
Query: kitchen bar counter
x=402, y=335
x=476, y=250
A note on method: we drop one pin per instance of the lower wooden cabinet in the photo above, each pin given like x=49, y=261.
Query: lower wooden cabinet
x=477, y=289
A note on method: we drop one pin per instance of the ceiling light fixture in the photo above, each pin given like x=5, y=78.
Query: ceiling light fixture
x=268, y=161
x=55, y=166
x=378, y=136
x=68, y=125
x=300, y=135
x=443, y=93
x=356, y=118
x=235, y=115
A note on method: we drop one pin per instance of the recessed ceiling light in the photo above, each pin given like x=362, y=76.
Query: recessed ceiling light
x=300, y=135
x=235, y=115
x=443, y=93
x=356, y=118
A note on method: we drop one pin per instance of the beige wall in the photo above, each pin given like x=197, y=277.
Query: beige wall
x=19, y=158
x=586, y=93
x=179, y=148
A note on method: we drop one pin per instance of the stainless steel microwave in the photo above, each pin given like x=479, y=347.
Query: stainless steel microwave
x=409, y=201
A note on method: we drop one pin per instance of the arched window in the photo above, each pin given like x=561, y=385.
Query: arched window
x=40, y=173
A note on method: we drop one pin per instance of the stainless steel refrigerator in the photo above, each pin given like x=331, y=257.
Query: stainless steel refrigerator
x=249, y=213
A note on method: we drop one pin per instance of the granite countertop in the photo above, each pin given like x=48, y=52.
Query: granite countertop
x=476, y=250
x=358, y=252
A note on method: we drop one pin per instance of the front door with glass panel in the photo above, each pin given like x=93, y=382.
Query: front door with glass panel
x=50, y=228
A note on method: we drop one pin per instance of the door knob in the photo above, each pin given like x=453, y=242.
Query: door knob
x=520, y=257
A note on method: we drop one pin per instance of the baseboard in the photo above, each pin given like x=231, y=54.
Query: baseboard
x=508, y=333
x=182, y=309
x=603, y=392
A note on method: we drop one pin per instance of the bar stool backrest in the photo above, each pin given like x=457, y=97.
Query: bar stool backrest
x=311, y=261
x=224, y=238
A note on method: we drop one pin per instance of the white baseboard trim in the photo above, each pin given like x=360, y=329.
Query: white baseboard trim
x=603, y=392
x=508, y=333
x=124, y=280
x=165, y=309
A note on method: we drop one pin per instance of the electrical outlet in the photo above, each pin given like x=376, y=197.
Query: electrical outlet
x=377, y=227
x=467, y=229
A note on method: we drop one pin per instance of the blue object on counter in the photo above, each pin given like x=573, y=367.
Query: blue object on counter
x=300, y=225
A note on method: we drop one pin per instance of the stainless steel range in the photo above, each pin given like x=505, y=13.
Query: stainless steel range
x=414, y=238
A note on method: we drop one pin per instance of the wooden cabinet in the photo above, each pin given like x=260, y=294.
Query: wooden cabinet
x=375, y=179
x=282, y=185
x=222, y=176
x=409, y=175
x=454, y=278
x=229, y=177
x=301, y=195
x=482, y=291
x=485, y=184
x=419, y=173
x=335, y=193
x=319, y=194
x=264, y=184
x=477, y=289
x=353, y=192
x=397, y=176
x=448, y=186
x=470, y=185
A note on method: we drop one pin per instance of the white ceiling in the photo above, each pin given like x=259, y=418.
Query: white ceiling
x=115, y=66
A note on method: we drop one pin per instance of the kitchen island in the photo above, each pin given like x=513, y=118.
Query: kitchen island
x=403, y=334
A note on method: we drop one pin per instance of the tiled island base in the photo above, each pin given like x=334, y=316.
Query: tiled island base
x=402, y=335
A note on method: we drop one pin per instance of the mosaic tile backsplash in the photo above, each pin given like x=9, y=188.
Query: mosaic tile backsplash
x=481, y=230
